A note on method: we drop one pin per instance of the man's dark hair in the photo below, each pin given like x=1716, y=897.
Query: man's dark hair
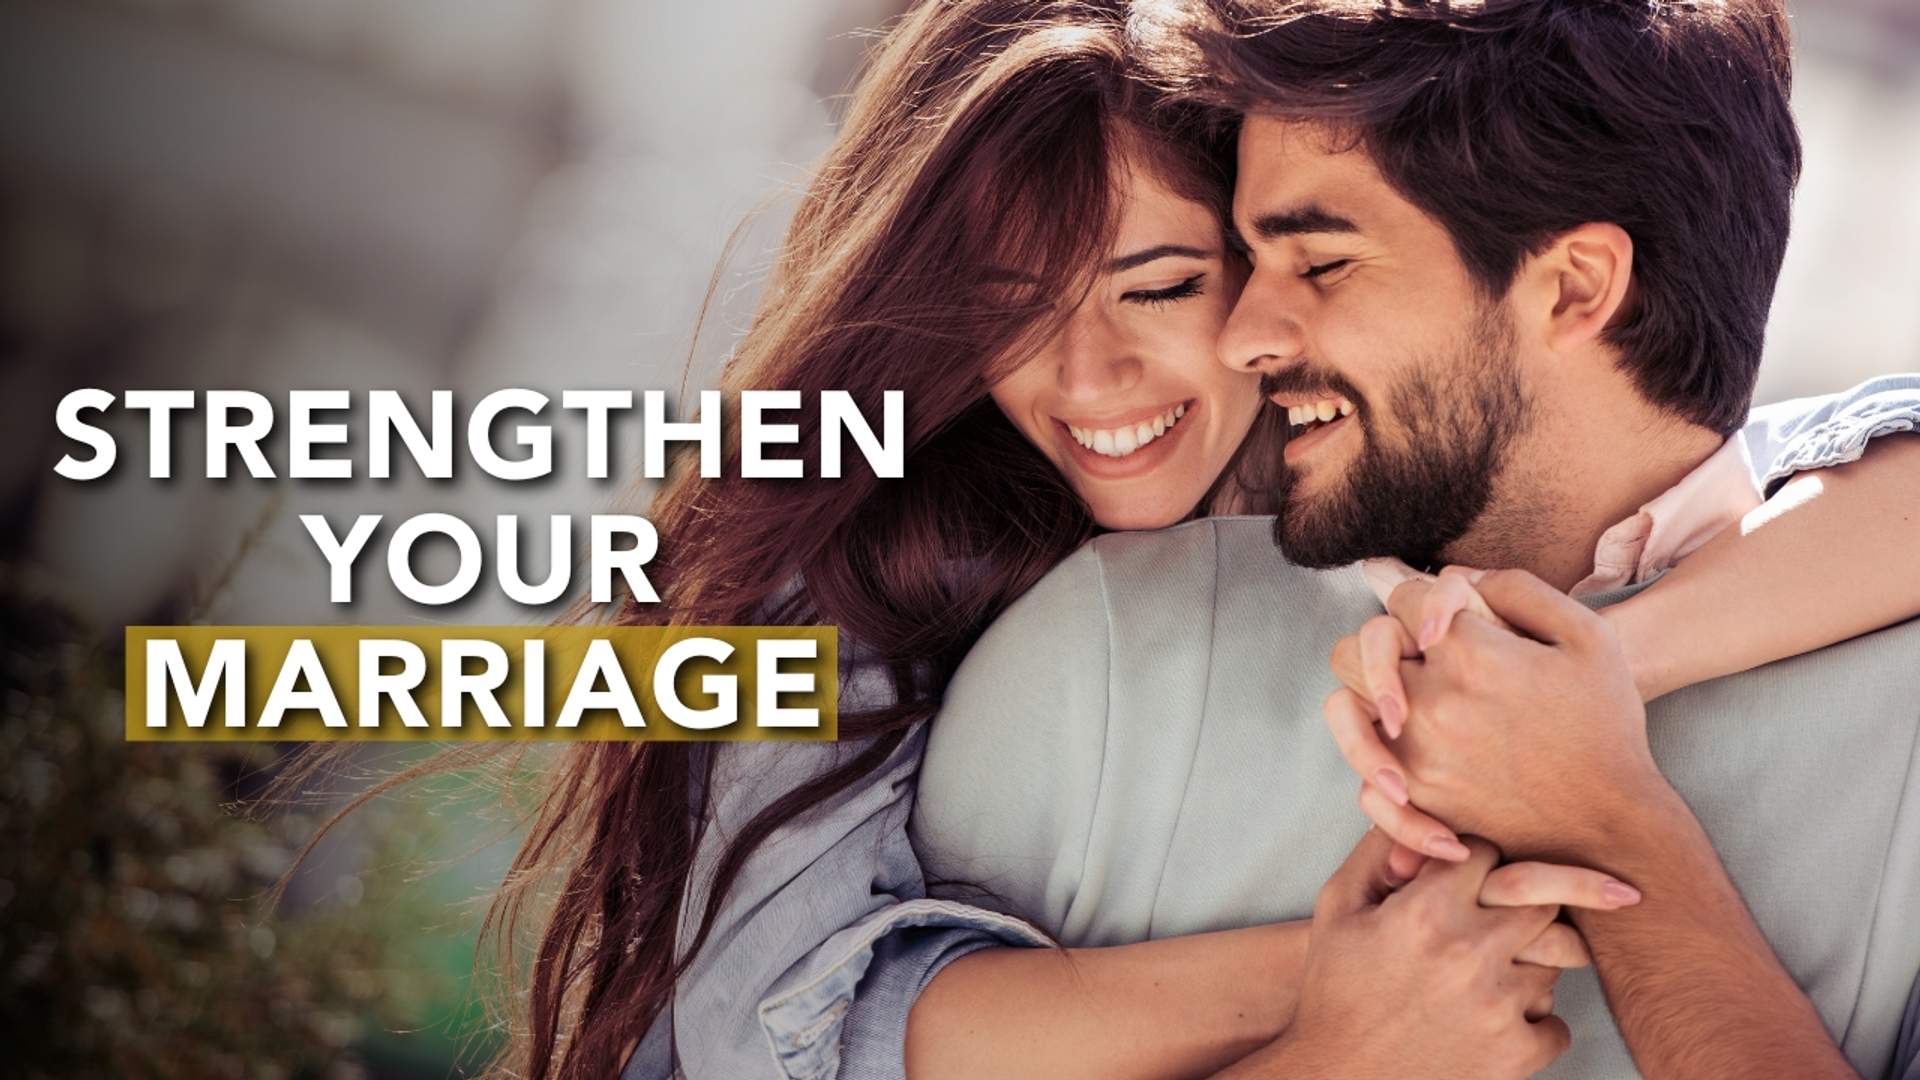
x=1513, y=121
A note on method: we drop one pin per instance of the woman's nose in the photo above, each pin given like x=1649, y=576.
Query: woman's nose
x=1095, y=362
x=1264, y=333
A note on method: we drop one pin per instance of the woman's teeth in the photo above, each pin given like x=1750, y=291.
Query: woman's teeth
x=1119, y=442
x=1318, y=411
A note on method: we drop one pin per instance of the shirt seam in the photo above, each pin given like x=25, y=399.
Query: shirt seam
x=1193, y=751
x=1106, y=718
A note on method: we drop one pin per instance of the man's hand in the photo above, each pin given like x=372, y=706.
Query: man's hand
x=1532, y=737
x=1422, y=979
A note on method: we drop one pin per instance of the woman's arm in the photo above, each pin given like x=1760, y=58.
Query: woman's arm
x=1186, y=1006
x=828, y=953
x=1838, y=550
x=1177, y=1007
x=822, y=925
x=1835, y=548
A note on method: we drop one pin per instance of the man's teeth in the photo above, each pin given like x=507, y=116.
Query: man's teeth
x=1323, y=410
x=1121, y=441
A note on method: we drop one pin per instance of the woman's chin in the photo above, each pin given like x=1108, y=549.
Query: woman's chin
x=1154, y=488
x=1137, y=518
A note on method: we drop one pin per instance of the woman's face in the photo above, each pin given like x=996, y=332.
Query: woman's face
x=1128, y=401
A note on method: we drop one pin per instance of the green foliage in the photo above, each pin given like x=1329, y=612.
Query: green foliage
x=133, y=937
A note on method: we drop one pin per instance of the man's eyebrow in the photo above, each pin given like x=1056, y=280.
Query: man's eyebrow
x=1160, y=251
x=1306, y=219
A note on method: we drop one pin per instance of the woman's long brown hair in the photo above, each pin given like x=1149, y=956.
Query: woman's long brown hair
x=958, y=215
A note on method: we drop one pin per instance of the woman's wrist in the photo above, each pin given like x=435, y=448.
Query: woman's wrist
x=1633, y=624
x=1299, y=1052
x=1284, y=949
x=1182, y=1005
x=1252, y=980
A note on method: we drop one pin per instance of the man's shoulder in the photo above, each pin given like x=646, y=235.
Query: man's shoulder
x=1806, y=774
x=1242, y=541
x=1167, y=609
x=1076, y=716
x=1176, y=570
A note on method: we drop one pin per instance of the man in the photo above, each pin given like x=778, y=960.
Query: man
x=1533, y=244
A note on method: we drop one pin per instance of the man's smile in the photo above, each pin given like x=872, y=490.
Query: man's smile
x=1312, y=419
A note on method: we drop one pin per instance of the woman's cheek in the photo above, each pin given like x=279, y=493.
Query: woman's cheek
x=1015, y=400
x=1174, y=336
x=1017, y=397
x=1210, y=317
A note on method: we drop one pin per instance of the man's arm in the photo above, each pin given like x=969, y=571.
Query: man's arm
x=1692, y=983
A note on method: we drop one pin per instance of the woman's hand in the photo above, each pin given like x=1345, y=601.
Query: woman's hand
x=1418, y=970
x=1373, y=702
x=1542, y=884
x=1526, y=736
x=1420, y=611
x=1531, y=884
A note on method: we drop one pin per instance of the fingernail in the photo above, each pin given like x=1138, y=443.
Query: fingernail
x=1619, y=894
x=1446, y=847
x=1474, y=576
x=1429, y=633
x=1392, y=786
x=1393, y=715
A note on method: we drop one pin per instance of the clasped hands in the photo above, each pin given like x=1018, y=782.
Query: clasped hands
x=1491, y=703
x=1490, y=716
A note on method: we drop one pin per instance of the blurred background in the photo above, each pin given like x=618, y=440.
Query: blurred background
x=469, y=194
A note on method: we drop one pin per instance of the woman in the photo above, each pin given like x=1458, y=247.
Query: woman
x=1021, y=240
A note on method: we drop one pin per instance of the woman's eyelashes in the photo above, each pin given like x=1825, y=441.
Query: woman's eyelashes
x=1168, y=295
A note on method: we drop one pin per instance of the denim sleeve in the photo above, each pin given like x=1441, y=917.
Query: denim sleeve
x=1818, y=432
x=827, y=935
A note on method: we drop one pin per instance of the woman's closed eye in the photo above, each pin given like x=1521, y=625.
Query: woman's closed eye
x=1168, y=295
x=1321, y=269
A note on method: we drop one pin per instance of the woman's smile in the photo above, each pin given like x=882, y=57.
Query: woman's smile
x=1122, y=437
x=1130, y=444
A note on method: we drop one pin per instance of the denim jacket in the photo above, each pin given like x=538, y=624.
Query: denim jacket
x=828, y=935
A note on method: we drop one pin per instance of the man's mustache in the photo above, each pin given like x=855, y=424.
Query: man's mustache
x=1307, y=379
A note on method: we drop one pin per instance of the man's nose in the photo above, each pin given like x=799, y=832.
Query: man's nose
x=1094, y=362
x=1265, y=331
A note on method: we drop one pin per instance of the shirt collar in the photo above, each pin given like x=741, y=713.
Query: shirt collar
x=1667, y=528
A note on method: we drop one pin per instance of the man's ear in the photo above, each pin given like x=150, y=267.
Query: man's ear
x=1581, y=282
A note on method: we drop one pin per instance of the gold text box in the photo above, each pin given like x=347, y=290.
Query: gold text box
x=262, y=651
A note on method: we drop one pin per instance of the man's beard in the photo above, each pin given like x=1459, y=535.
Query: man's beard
x=1456, y=416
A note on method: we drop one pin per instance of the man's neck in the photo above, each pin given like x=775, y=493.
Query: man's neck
x=1572, y=477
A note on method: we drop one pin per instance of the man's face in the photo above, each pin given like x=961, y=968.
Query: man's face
x=1359, y=308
